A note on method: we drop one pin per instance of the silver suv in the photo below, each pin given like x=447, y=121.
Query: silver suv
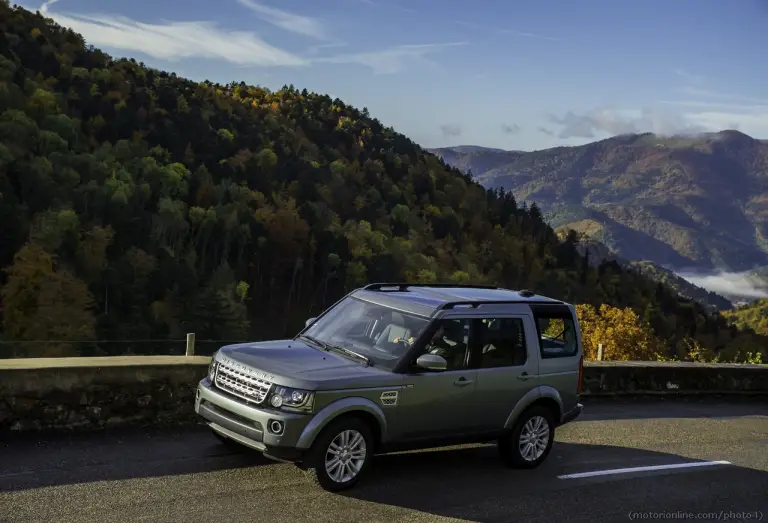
x=402, y=366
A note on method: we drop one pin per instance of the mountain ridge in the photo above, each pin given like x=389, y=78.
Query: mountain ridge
x=689, y=202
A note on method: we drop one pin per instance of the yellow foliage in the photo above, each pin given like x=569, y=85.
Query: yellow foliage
x=623, y=335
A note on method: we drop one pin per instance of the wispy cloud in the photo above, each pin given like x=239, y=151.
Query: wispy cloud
x=451, y=130
x=548, y=132
x=174, y=40
x=314, y=49
x=703, y=104
x=690, y=77
x=707, y=93
x=526, y=34
x=287, y=21
x=469, y=25
x=179, y=40
x=389, y=4
x=510, y=129
x=392, y=60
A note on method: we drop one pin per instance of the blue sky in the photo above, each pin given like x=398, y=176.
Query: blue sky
x=514, y=74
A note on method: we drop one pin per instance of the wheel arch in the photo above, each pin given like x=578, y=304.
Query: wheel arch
x=361, y=408
x=544, y=396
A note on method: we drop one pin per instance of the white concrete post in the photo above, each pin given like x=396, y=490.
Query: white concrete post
x=190, y=344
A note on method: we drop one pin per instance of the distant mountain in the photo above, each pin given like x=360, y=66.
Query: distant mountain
x=689, y=203
x=475, y=159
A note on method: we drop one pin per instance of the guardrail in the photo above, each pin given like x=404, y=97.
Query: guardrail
x=97, y=392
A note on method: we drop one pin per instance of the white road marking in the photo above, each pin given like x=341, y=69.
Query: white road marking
x=643, y=469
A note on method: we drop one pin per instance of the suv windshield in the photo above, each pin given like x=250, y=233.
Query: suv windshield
x=377, y=332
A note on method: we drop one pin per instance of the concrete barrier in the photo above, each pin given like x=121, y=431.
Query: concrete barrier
x=86, y=393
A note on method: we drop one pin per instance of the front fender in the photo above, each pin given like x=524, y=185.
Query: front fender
x=537, y=393
x=333, y=410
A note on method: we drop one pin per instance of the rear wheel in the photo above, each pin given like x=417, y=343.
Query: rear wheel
x=530, y=441
x=340, y=454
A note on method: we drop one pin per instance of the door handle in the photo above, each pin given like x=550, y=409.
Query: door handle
x=462, y=381
x=523, y=377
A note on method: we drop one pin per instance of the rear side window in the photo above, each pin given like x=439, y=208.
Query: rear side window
x=557, y=334
x=500, y=342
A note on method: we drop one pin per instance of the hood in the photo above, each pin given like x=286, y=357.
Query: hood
x=294, y=363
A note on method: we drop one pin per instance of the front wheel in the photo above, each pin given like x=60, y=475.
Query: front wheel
x=340, y=454
x=530, y=441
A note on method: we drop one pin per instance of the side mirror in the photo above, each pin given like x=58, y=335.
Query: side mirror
x=432, y=362
x=310, y=322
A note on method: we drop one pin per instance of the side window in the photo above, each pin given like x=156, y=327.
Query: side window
x=451, y=341
x=500, y=342
x=557, y=335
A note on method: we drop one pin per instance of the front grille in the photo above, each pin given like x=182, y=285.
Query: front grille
x=241, y=384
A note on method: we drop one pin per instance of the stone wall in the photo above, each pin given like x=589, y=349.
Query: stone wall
x=72, y=393
x=603, y=378
x=91, y=393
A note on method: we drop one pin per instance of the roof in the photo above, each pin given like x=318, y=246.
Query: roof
x=425, y=299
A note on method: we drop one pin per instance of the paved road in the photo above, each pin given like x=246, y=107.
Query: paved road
x=186, y=475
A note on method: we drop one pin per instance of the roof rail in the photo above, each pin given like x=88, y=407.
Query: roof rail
x=401, y=287
x=476, y=303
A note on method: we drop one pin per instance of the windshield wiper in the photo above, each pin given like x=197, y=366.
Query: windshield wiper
x=328, y=347
x=348, y=352
x=315, y=341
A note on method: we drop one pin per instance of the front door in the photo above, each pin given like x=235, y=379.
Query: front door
x=438, y=404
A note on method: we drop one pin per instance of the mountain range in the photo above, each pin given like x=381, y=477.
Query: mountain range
x=687, y=203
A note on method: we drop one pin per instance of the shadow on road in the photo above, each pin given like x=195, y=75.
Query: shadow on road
x=472, y=484
x=116, y=454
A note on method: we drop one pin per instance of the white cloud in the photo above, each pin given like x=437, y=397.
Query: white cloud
x=392, y=60
x=174, y=40
x=291, y=22
x=610, y=121
x=606, y=121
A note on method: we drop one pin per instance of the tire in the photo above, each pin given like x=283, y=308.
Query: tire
x=540, y=421
x=359, y=439
x=232, y=444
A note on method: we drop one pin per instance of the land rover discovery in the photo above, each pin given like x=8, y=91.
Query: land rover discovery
x=396, y=366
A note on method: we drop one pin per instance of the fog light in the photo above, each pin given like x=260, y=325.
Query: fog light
x=276, y=427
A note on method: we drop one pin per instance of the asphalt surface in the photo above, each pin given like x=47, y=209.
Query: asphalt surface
x=187, y=475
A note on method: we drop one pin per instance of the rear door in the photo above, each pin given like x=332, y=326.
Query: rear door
x=560, y=351
x=503, y=352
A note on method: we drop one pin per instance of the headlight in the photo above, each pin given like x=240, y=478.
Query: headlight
x=292, y=399
x=212, y=366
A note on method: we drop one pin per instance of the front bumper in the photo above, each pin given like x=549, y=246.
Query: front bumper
x=572, y=414
x=251, y=426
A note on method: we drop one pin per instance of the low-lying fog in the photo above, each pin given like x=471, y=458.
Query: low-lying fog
x=735, y=286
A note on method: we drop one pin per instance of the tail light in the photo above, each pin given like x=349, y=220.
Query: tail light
x=581, y=374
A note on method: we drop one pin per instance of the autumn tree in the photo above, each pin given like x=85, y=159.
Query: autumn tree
x=619, y=330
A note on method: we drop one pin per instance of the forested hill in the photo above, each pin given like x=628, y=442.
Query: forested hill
x=136, y=205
